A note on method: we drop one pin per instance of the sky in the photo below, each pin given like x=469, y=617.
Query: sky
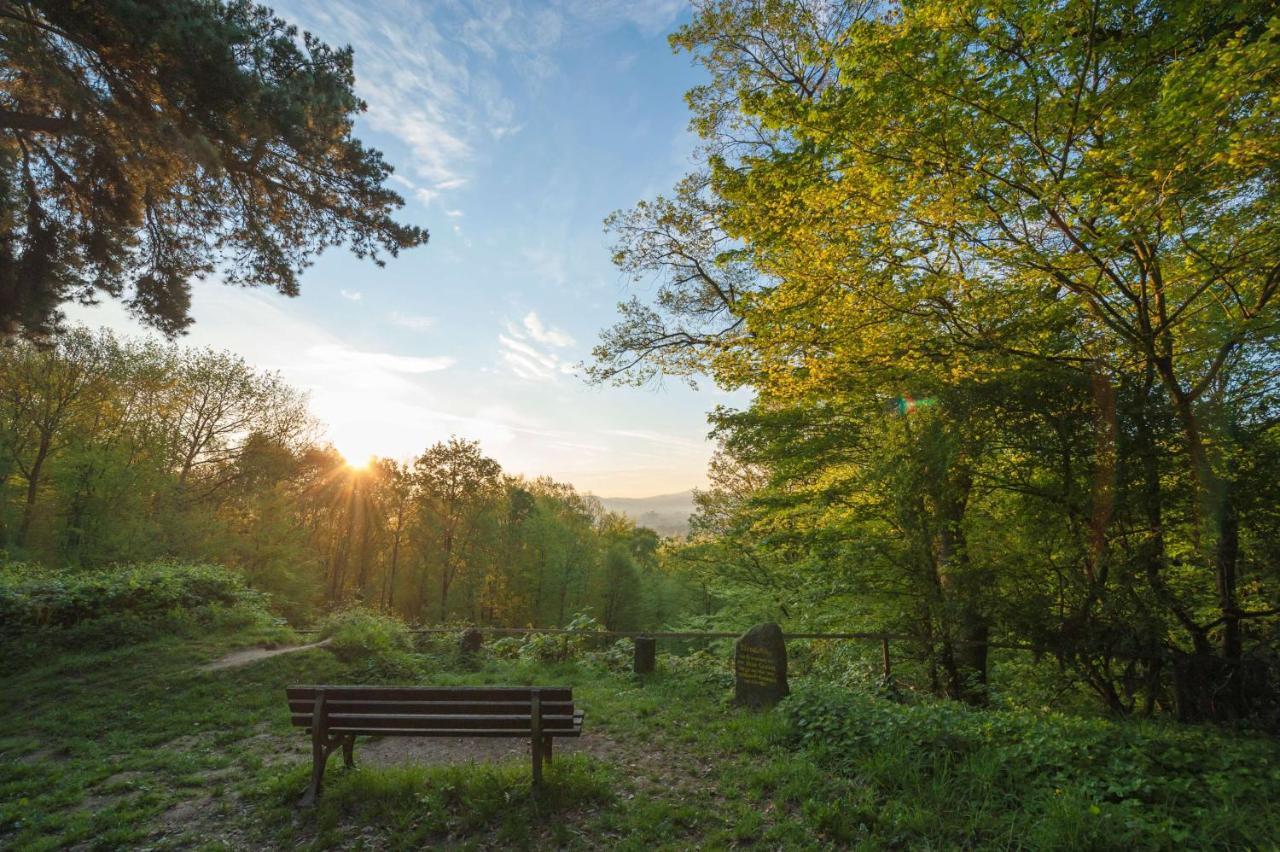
x=515, y=128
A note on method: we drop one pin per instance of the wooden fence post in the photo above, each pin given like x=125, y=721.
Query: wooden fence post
x=646, y=654
x=535, y=726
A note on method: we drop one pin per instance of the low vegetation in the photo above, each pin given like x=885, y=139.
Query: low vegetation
x=42, y=609
x=138, y=745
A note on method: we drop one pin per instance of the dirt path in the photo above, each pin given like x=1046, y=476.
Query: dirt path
x=252, y=655
x=645, y=766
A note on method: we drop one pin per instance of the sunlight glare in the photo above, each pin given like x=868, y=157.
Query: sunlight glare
x=360, y=465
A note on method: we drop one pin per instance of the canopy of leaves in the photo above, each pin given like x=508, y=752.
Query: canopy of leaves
x=144, y=144
x=1008, y=295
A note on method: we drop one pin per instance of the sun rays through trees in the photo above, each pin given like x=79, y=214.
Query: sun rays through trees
x=118, y=451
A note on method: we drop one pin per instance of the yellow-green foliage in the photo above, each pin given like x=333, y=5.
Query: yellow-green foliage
x=947, y=772
x=356, y=634
x=34, y=599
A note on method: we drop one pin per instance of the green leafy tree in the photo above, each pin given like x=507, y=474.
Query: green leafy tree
x=143, y=144
x=458, y=486
x=1006, y=212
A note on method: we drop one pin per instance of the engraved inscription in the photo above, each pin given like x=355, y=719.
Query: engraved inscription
x=760, y=666
x=755, y=666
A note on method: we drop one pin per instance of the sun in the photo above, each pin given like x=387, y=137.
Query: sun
x=357, y=455
x=357, y=448
x=359, y=466
x=357, y=462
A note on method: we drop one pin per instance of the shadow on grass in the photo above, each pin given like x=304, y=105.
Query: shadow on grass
x=414, y=805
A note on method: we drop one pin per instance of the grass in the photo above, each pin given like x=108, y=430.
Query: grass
x=136, y=746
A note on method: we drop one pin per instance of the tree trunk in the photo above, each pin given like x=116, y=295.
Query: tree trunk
x=1151, y=552
x=1219, y=682
x=965, y=648
x=33, y=489
x=389, y=596
x=444, y=592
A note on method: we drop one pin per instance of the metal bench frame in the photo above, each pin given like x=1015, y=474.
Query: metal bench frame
x=336, y=715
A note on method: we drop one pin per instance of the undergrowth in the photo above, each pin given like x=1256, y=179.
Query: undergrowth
x=962, y=776
x=137, y=746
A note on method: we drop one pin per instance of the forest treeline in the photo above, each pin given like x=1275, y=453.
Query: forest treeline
x=1005, y=283
x=116, y=451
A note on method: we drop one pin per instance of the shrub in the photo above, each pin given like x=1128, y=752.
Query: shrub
x=1123, y=784
x=507, y=648
x=704, y=665
x=618, y=657
x=381, y=641
x=127, y=602
x=550, y=647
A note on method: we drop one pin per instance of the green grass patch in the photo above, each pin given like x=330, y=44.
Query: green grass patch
x=136, y=746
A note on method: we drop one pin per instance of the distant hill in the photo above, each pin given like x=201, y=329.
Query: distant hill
x=667, y=514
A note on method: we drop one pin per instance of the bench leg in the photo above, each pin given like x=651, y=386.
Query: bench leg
x=348, y=751
x=537, y=762
x=319, y=757
x=546, y=747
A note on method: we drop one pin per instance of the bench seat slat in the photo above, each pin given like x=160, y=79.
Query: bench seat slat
x=448, y=732
x=430, y=693
x=419, y=707
x=434, y=721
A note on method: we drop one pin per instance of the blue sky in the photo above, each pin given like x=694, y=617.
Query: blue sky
x=515, y=128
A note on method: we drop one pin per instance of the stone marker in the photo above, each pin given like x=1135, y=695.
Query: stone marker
x=646, y=652
x=472, y=639
x=760, y=666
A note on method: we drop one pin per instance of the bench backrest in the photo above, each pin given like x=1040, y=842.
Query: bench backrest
x=443, y=710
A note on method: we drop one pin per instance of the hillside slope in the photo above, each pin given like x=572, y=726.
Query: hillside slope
x=667, y=514
x=139, y=746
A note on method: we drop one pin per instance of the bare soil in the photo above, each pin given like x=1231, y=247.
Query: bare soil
x=252, y=655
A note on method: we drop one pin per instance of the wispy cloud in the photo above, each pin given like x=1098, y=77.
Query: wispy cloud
x=650, y=17
x=376, y=402
x=671, y=441
x=523, y=349
x=538, y=331
x=341, y=355
x=413, y=322
x=351, y=295
x=432, y=74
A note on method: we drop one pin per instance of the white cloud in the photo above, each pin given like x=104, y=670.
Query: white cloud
x=374, y=402
x=412, y=322
x=343, y=356
x=503, y=131
x=432, y=73
x=544, y=361
x=522, y=350
x=453, y=214
x=351, y=295
x=651, y=17
x=670, y=441
x=539, y=332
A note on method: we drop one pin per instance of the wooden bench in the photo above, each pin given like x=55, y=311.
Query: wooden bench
x=337, y=715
